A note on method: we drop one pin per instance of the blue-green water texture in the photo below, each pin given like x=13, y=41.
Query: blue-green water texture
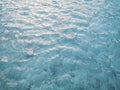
x=59, y=44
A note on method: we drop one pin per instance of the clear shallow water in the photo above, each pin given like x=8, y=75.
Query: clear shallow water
x=59, y=44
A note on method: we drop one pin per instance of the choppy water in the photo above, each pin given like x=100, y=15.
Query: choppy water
x=59, y=45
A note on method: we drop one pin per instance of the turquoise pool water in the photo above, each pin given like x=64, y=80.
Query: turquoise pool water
x=59, y=44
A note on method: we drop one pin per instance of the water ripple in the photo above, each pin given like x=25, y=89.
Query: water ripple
x=59, y=45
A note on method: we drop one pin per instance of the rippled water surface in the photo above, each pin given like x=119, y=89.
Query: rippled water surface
x=59, y=44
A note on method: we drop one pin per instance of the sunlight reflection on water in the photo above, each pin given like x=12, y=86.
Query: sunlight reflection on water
x=59, y=45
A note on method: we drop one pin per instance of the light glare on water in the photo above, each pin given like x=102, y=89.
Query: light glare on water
x=59, y=45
